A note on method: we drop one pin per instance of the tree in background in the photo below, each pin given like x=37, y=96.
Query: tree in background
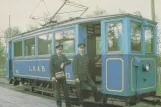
x=158, y=33
x=97, y=12
x=1, y=50
x=121, y=11
x=2, y=55
x=11, y=32
x=158, y=41
x=8, y=34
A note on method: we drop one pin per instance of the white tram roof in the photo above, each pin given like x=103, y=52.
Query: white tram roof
x=79, y=21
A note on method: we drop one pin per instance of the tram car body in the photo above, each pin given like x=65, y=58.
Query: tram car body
x=126, y=44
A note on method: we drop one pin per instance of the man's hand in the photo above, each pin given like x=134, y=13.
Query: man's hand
x=62, y=66
x=54, y=79
x=77, y=80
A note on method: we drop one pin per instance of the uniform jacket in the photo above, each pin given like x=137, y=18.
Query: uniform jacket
x=55, y=63
x=80, y=67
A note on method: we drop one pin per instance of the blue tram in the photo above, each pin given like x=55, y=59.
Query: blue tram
x=124, y=45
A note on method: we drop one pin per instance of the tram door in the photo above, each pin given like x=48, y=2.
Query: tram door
x=93, y=46
x=91, y=41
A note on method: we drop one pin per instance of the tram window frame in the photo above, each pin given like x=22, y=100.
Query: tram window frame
x=141, y=40
x=55, y=43
x=20, y=47
x=31, y=47
x=152, y=39
x=49, y=48
x=120, y=41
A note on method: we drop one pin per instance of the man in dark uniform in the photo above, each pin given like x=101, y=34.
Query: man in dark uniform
x=57, y=63
x=81, y=75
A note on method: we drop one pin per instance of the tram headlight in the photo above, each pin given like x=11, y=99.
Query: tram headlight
x=147, y=67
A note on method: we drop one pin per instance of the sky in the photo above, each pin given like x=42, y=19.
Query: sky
x=20, y=10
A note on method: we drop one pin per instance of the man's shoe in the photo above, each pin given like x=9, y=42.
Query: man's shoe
x=98, y=101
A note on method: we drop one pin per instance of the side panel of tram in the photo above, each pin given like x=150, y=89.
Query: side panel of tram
x=31, y=54
x=124, y=60
x=26, y=63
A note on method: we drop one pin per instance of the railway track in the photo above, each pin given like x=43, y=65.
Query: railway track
x=151, y=102
x=44, y=95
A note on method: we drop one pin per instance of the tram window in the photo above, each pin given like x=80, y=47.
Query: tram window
x=98, y=45
x=17, y=48
x=136, y=36
x=67, y=39
x=29, y=47
x=44, y=44
x=149, y=34
x=114, y=36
